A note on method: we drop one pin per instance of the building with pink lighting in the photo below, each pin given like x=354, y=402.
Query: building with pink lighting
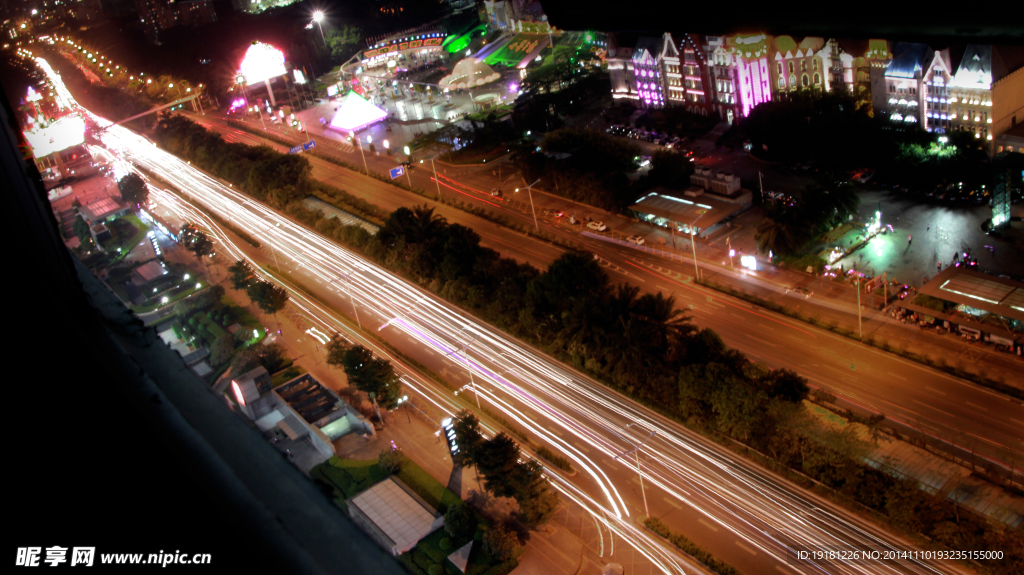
x=648, y=73
x=740, y=73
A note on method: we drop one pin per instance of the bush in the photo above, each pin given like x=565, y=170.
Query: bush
x=445, y=544
x=690, y=548
x=555, y=459
x=391, y=460
x=459, y=521
x=504, y=568
x=502, y=544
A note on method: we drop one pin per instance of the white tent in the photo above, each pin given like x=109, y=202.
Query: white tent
x=469, y=73
x=356, y=113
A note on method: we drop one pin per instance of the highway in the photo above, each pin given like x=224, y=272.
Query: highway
x=753, y=515
x=909, y=394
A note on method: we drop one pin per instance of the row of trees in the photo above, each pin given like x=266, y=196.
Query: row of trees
x=497, y=460
x=270, y=298
x=374, y=376
x=643, y=346
x=788, y=227
x=259, y=171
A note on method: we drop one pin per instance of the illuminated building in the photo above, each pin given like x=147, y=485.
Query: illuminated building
x=497, y=14
x=797, y=66
x=916, y=75
x=740, y=75
x=643, y=73
x=970, y=94
x=257, y=6
x=694, y=75
x=869, y=71
x=158, y=15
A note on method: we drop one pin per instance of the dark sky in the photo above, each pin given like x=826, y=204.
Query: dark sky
x=995, y=23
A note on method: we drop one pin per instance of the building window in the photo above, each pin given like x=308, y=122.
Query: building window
x=791, y=67
x=782, y=82
x=804, y=81
x=817, y=80
x=780, y=68
x=792, y=81
x=803, y=65
x=892, y=88
x=814, y=64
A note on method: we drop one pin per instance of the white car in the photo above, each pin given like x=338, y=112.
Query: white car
x=597, y=226
x=638, y=240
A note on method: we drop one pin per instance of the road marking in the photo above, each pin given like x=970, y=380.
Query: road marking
x=581, y=448
x=976, y=406
x=762, y=341
x=935, y=408
x=933, y=390
x=672, y=503
x=1016, y=421
x=745, y=548
x=662, y=288
x=903, y=378
x=779, y=567
x=708, y=525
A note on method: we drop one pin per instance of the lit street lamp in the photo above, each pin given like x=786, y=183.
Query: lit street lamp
x=318, y=17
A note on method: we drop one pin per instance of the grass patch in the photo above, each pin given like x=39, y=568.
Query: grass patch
x=349, y=476
x=286, y=375
x=436, y=495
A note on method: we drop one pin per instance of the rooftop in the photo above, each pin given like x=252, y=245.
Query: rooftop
x=394, y=511
x=704, y=211
x=1001, y=296
x=309, y=399
x=909, y=59
x=101, y=209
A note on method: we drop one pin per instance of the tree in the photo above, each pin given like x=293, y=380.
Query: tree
x=133, y=190
x=267, y=296
x=269, y=356
x=391, y=460
x=501, y=543
x=81, y=228
x=241, y=275
x=221, y=349
x=336, y=349
x=468, y=436
x=459, y=521
x=373, y=376
x=775, y=236
x=785, y=384
x=537, y=502
x=496, y=463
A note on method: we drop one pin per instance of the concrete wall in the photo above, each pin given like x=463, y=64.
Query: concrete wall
x=1008, y=102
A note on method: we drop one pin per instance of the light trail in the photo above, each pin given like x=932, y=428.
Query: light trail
x=531, y=389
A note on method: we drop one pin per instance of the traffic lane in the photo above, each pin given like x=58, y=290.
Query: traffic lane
x=390, y=198
x=877, y=381
x=880, y=403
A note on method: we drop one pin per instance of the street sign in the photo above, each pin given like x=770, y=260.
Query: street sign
x=295, y=150
x=309, y=145
x=396, y=172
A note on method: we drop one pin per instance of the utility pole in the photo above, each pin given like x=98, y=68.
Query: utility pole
x=636, y=450
x=529, y=190
x=860, y=324
x=436, y=181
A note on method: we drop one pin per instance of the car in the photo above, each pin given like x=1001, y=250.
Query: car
x=637, y=240
x=799, y=291
x=496, y=192
x=864, y=177
x=664, y=141
x=558, y=213
x=597, y=226
x=674, y=142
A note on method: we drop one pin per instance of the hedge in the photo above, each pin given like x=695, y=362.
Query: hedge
x=690, y=548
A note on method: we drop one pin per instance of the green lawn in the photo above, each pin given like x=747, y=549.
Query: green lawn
x=436, y=495
x=286, y=375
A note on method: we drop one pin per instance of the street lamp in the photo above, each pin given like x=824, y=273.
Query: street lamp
x=318, y=17
x=529, y=190
x=636, y=450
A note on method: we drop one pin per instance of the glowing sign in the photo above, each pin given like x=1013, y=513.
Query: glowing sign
x=60, y=135
x=299, y=78
x=262, y=62
x=332, y=90
x=33, y=96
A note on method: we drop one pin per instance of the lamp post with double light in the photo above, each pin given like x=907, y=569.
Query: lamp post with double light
x=529, y=190
x=636, y=450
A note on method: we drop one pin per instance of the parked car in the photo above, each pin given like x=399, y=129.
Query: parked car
x=864, y=177
x=636, y=240
x=799, y=291
x=558, y=214
x=496, y=192
x=597, y=226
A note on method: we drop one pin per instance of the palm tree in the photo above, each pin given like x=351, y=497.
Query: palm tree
x=667, y=323
x=425, y=224
x=773, y=235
